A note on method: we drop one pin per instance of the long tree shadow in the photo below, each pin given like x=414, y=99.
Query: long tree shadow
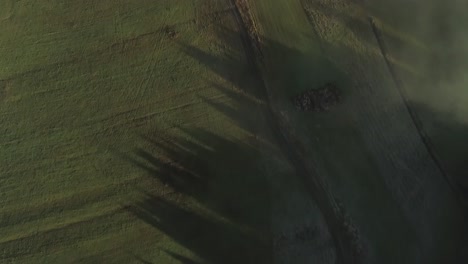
x=234, y=68
x=224, y=177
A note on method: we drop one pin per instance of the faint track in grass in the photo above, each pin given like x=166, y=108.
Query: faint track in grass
x=53, y=208
x=66, y=235
x=119, y=47
x=145, y=83
x=132, y=117
x=4, y=85
x=413, y=115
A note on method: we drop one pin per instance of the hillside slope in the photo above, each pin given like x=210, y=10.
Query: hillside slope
x=164, y=132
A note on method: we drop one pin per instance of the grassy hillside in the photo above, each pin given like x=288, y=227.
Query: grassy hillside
x=157, y=132
x=433, y=45
x=83, y=85
x=370, y=145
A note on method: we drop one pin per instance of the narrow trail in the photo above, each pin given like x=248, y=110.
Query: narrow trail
x=338, y=222
x=413, y=115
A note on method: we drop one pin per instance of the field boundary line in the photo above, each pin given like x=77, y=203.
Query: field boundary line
x=413, y=115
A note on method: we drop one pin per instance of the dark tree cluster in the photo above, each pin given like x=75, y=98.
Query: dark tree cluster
x=299, y=235
x=170, y=32
x=317, y=100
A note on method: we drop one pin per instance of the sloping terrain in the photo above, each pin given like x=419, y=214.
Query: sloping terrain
x=164, y=132
x=373, y=133
x=428, y=57
x=87, y=87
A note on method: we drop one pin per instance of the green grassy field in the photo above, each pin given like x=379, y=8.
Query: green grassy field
x=142, y=132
